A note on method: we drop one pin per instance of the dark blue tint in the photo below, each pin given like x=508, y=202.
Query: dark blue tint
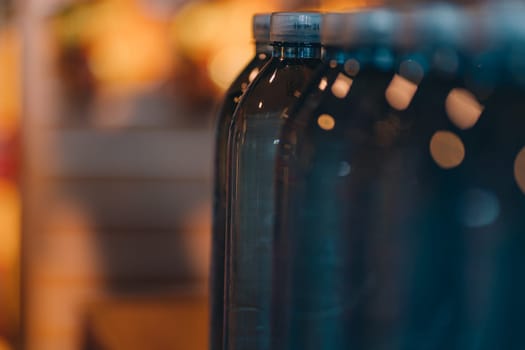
x=220, y=198
x=254, y=138
x=401, y=211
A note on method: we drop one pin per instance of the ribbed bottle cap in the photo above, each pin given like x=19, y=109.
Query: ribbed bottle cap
x=439, y=24
x=261, y=27
x=505, y=22
x=374, y=26
x=296, y=27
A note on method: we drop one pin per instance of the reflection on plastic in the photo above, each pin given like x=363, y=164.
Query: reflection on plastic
x=253, y=74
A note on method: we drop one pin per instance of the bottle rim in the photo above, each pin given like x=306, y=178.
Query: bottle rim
x=296, y=27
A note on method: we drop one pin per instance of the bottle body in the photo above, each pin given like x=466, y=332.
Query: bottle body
x=220, y=198
x=398, y=192
x=254, y=137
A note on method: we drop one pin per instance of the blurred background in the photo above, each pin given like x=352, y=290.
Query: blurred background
x=106, y=140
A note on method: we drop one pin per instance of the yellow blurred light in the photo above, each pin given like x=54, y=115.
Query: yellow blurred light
x=463, y=108
x=10, y=218
x=197, y=27
x=345, y=5
x=9, y=79
x=447, y=149
x=4, y=345
x=72, y=26
x=400, y=92
x=204, y=27
x=323, y=83
x=131, y=51
x=125, y=48
x=224, y=65
x=342, y=86
x=137, y=57
x=326, y=122
x=9, y=223
x=204, y=32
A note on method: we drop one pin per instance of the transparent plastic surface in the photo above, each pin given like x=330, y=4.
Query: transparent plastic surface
x=254, y=137
x=224, y=119
x=401, y=200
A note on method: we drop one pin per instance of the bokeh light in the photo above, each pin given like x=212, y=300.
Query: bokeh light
x=326, y=122
x=400, y=92
x=342, y=86
x=462, y=108
x=352, y=67
x=519, y=169
x=224, y=65
x=478, y=208
x=323, y=84
x=447, y=149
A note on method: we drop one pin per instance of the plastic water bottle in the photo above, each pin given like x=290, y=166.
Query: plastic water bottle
x=320, y=250
x=401, y=186
x=263, y=52
x=254, y=138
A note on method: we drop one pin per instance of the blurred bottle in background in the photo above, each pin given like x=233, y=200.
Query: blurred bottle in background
x=319, y=274
x=263, y=52
x=253, y=140
x=399, y=183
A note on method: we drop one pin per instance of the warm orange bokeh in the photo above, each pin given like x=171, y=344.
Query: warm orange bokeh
x=10, y=207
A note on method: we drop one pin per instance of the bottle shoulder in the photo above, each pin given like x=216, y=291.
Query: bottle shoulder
x=246, y=76
x=237, y=88
x=279, y=83
x=333, y=95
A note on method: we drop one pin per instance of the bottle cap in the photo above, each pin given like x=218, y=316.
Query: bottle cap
x=504, y=22
x=373, y=26
x=261, y=27
x=296, y=27
x=438, y=24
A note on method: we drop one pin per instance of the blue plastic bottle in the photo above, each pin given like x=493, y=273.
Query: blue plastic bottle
x=254, y=138
x=263, y=52
x=400, y=187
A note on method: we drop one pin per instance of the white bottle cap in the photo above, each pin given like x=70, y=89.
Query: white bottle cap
x=261, y=27
x=296, y=27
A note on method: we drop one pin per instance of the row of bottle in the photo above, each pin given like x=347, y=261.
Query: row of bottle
x=369, y=184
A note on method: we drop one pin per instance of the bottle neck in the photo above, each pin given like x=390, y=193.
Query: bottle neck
x=295, y=50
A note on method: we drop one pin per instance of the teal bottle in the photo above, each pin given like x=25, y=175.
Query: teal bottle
x=319, y=265
x=400, y=186
x=263, y=52
x=253, y=141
